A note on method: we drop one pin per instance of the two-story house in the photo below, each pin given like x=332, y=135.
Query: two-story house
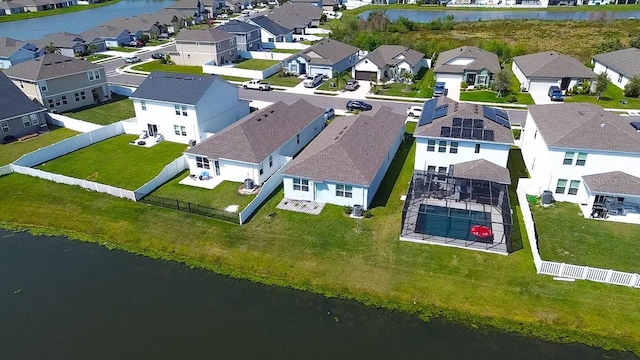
x=13, y=52
x=271, y=32
x=324, y=57
x=186, y=108
x=247, y=35
x=205, y=46
x=19, y=115
x=61, y=83
x=470, y=64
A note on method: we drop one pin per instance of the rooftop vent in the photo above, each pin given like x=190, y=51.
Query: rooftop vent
x=336, y=138
x=601, y=125
x=581, y=112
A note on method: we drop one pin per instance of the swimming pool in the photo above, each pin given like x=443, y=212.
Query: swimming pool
x=451, y=222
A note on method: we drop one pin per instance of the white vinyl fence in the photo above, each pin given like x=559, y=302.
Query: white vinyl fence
x=244, y=73
x=171, y=170
x=264, y=55
x=73, y=124
x=5, y=170
x=265, y=191
x=285, y=45
x=124, y=90
x=561, y=269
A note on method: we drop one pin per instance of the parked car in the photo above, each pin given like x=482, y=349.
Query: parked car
x=329, y=113
x=358, y=105
x=440, y=89
x=414, y=111
x=163, y=36
x=352, y=85
x=136, y=43
x=132, y=59
x=158, y=56
x=555, y=93
x=312, y=80
x=257, y=85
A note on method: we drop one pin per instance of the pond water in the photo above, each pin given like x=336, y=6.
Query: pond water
x=77, y=22
x=62, y=299
x=470, y=15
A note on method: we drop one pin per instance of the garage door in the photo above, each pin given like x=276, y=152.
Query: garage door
x=320, y=70
x=365, y=75
x=541, y=86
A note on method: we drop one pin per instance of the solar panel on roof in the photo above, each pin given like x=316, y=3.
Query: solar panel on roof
x=501, y=113
x=457, y=122
x=456, y=132
x=466, y=133
x=496, y=115
x=478, y=123
x=477, y=134
x=467, y=123
x=445, y=131
x=503, y=122
x=427, y=112
x=488, y=112
x=440, y=111
x=488, y=135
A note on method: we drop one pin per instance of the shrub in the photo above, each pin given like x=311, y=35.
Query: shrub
x=512, y=98
x=367, y=214
x=516, y=133
x=464, y=85
x=347, y=210
x=632, y=89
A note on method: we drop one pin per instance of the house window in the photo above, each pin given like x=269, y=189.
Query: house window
x=453, y=147
x=34, y=119
x=344, y=191
x=300, y=184
x=261, y=169
x=183, y=130
x=482, y=80
x=43, y=86
x=561, y=187
x=298, y=139
x=431, y=145
x=4, y=126
x=442, y=146
x=202, y=162
x=197, y=44
x=93, y=75
x=184, y=110
x=477, y=150
x=620, y=78
x=442, y=170
x=57, y=101
x=77, y=96
x=143, y=104
x=25, y=121
x=177, y=108
x=270, y=40
x=568, y=158
x=176, y=130
x=573, y=187
x=64, y=100
x=582, y=159
x=431, y=169
x=270, y=160
x=50, y=102
x=82, y=95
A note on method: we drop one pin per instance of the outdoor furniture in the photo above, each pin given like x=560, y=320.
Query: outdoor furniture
x=204, y=175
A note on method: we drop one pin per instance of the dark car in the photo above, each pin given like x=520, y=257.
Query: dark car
x=440, y=89
x=158, y=56
x=555, y=93
x=136, y=43
x=358, y=105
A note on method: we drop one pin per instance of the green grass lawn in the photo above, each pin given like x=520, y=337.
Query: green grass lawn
x=96, y=57
x=328, y=255
x=116, y=162
x=124, y=49
x=153, y=42
x=12, y=151
x=278, y=80
x=256, y=64
x=422, y=87
x=38, y=14
x=220, y=197
x=286, y=51
x=118, y=108
x=566, y=236
x=234, y=78
x=155, y=65
x=609, y=99
x=491, y=97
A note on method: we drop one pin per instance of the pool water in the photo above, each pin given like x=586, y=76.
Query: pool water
x=450, y=222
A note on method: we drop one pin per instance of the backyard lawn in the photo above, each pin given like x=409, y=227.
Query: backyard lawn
x=155, y=65
x=118, y=108
x=223, y=195
x=279, y=80
x=609, y=99
x=256, y=64
x=12, y=151
x=565, y=236
x=116, y=162
x=286, y=51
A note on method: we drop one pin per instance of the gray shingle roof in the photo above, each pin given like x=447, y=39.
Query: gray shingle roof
x=615, y=182
x=49, y=66
x=463, y=110
x=350, y=150
x=326, y=52
x=164, y=16
x=483, y=59
x=625, y=61
x=295, y=15
x=133, y=24
x=184, y=4
x=482, y=169
x=580, y=126
x=270, y=25
x=174, y=87
x=8, y=46
x=550, y=64
x=238, y=27
x=259, y=134
x=60, y=40
x=13, y=101
x=102, y=32
x=393, y=55
x=207, y=35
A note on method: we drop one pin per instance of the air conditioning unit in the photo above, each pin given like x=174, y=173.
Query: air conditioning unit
x=192, y=143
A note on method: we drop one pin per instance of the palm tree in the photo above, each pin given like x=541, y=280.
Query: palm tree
x=91, y=48
x=373, y=79
x=341, y=77
x=407, y=76
x=51, y=49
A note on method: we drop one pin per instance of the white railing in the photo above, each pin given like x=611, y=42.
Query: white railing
x=244, y=73
x=265, y=191
x=5, y=170
x=170, y=171
x=73, y=124
x=124, y=90
x=264, y=55
x=563, y=270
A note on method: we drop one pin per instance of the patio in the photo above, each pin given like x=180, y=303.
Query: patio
x=301, y=206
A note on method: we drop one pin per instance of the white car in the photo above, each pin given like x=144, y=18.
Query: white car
x=414, y=111
x=257, y=85
x=312, y=80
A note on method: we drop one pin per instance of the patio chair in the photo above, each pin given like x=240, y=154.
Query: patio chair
x=204, y=175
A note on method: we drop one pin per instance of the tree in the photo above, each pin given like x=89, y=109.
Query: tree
x=635, y=42
x=632, y=89
x=341, y=77
x=323, y=18
x=503, y=50
x=373, y=79
x=144, y=39
x=52, y=49
x=502, y=82
x=607, y=46
x=602, y=82
x=407, y=77
x=91, y=48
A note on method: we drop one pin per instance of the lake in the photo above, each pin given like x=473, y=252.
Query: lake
x=77, y=22
x=62, y=299
x=469, y=15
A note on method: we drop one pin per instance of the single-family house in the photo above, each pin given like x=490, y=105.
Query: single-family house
x=169, y=21
x=237, y=6
x=203, y=46
x=583, y=155
x=470, y=64
x=259, y=144
x=324, y=57
x=19, y=115
x=346, y=163
x=10, y=7
x=106, y=36
x=137, y=26
x=297, y=17
x=331, y=5
x=186, y=108
x=317, y=3
x=61, y=83
x=537, y=72
x=194, y=7
x=247, y=35
x=388, y=62
x=67, y=44
x=270, y=31
x=621, y=65
x=14, y=52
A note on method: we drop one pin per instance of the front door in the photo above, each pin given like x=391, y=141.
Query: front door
x=152, y=129
x=216, y=165
x=471, y=79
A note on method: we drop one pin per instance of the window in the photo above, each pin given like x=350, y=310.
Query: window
x=143, y=104
x=34, y=119
x=535, y=134
x=270, y=160
x=568, y=158
x=43, y=86
x=50, y=102
x=431, y=145
x=573, y=187
x=431, y=169
x=183, y=130
x=176, y=130
x=25, y=121
x=270, y=40
x=344, y=191
x=93, y=75
x=620, y=78
x=57, y=101
x=197, y=44
x=4, y=126
x=442, y=169
x=298, y=139
x=184, y=110
x=482, y=79
x=477, y=151
x=582, y=159
x=177, y=108
x=453, y=148
x=442, y=146
x=82, y=95
x=300, y=184
x=64, y=100
x=261, y=169
x=561, y=187
x=77, y=96
x=202, y=162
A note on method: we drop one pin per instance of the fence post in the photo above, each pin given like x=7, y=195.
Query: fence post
x=561, y=269
x=608, y=277
x=584, y=274
x=189, y=205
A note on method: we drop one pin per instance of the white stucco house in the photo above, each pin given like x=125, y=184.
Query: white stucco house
x=259, y=144
x=14, y=52
x=186, y=108
x=537, y=72
x=271, y=32
x=346, y=163
x=584, y=155
x=621, y=65
x=387, y=61
x=324, y=57
x=470, y=64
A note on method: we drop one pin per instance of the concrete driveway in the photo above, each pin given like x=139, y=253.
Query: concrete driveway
x=453, y=93
x=359, y=94
x=540, y=97
x=300, y=89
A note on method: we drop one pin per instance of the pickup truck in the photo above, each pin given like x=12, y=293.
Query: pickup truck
x=257, y=85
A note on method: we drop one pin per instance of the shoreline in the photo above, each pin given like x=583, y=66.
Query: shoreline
x=578, y=8
x=53, y=12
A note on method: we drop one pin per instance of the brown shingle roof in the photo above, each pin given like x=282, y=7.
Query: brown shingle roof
x=615, y=182
x=483, y=59
x=259, y=134
x=625, y=61
x=326, y=52
x=350, y=150
x=49, y=66
x=482, y=169
x=208, y=35
x=393, y=55
x=584, y=126
x=550, y=64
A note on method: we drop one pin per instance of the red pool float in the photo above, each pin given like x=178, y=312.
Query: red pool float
x=481, y=231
